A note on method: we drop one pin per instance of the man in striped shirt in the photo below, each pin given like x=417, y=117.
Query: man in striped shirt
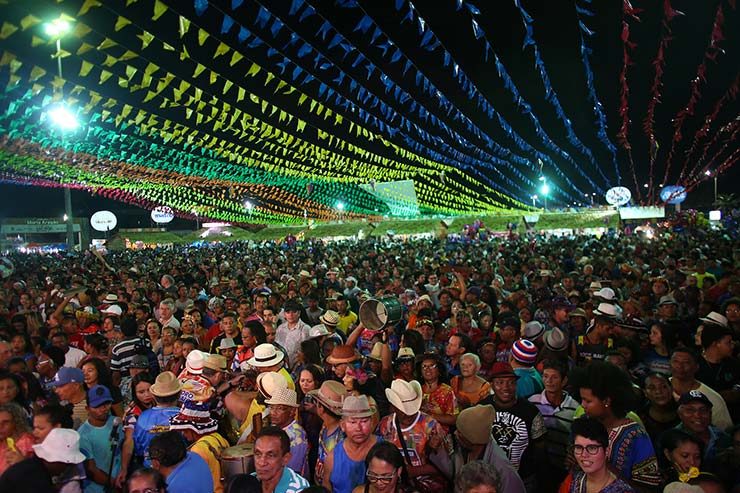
x=123, y=352
x=557, y=408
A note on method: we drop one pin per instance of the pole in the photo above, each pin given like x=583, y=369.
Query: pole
x=68, y=211
x=715, y=188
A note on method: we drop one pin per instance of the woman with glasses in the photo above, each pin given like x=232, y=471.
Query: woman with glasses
x=590, y=442
x=606, y=396
x=439, y=398
x=386, y=472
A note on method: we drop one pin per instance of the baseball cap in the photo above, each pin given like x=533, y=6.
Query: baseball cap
x=694, y=396
x=67, y=375
x=98, y=395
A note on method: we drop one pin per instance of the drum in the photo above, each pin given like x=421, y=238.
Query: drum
x=376, y=314
x=238, y=459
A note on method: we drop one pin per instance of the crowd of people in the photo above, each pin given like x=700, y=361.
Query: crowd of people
x=524, y=364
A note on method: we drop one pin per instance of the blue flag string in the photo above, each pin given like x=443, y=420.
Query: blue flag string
x=484, y=160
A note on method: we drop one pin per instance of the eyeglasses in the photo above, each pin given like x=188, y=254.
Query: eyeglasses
x=429, y=367
x=590, y=449
x=374, y=478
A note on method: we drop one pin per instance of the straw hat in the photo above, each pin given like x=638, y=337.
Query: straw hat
x=165, y=385
x=405, y=353
x=342, y=354
x=265, y=355
x=60, y=445
x=405, y=396
x=284, y=397
x=578, y=312
x=330, y=394
x=215, y=362
x=330, y=317
x=269, y=382
x=475, y=423
x=375, y=354
x=356, y=407
x=317, y=331
x=195, y=361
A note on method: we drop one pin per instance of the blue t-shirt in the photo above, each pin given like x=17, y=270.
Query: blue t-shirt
x=148, y=421
x=529, y=383
x=95, y=443
x=290, y=482
x=192, y=475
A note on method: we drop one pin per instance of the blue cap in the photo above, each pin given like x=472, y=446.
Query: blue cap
x=98, y=395
x=67, y=375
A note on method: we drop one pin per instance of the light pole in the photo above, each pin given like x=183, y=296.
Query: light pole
x=545, y=191
x=56, y=29
x=534, y=200
x=709, y=173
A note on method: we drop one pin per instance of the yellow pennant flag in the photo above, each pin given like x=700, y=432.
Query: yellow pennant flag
x=184, y=85
x=87, y=5
x=130, y=71
x=146, y=38
x=184, y=53
x=104, y=76
x=202, y=36
x=110, y=103
x=36, y=73
x=159, y=9
x=107, y=43
x=184, y=25
x=84, y=48
x=240, y=94
x=36, y=41
x=123, y=82
x=253, y=70
x=7, y=30
x=198, y=70
x=121, y=22
x=36, y=89
x=29, y=21
x=128, y=55
x=149, y=96
x=85, y=68
x=168, y=47
x=109, y=61
x=213, y=77
x=222, y=48
x=235, y=58
x=94, y=99
x=227, y=86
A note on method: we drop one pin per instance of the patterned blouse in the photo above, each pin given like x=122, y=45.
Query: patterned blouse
x=441, y=400
x=632, y=455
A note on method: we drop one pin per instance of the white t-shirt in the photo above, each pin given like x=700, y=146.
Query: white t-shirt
x=73, y=357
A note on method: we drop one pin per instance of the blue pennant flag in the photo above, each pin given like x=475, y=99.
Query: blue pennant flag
x=235, y=4
x=227, y=24
x=294, y=6
x=364, y=24
x=243, y=34
x=200, y=6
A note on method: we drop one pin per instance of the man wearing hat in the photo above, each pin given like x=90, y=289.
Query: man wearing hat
x=166, y=391
x=282, y=405
x=522, y=360
x=411, y=431
x=227, y=348
x=199, y=428
x=695, y=412
x=293, y=331
x=519, y=428
x=472, y=441
x=57, y=454
x=96, y=436
x=560, y=308
x=667, y=308
x=577, y=322
x=597, y=341
x=69, y=386
x=267, y=359
x=329, y=320
x=342, y=358
x=344, y=468
x=328, y=400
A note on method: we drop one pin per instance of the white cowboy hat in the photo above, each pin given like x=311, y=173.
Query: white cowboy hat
x=405, y=396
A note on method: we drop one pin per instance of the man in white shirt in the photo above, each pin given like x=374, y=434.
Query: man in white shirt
x=72, y=355
x=167, y=314
x=293, y=331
